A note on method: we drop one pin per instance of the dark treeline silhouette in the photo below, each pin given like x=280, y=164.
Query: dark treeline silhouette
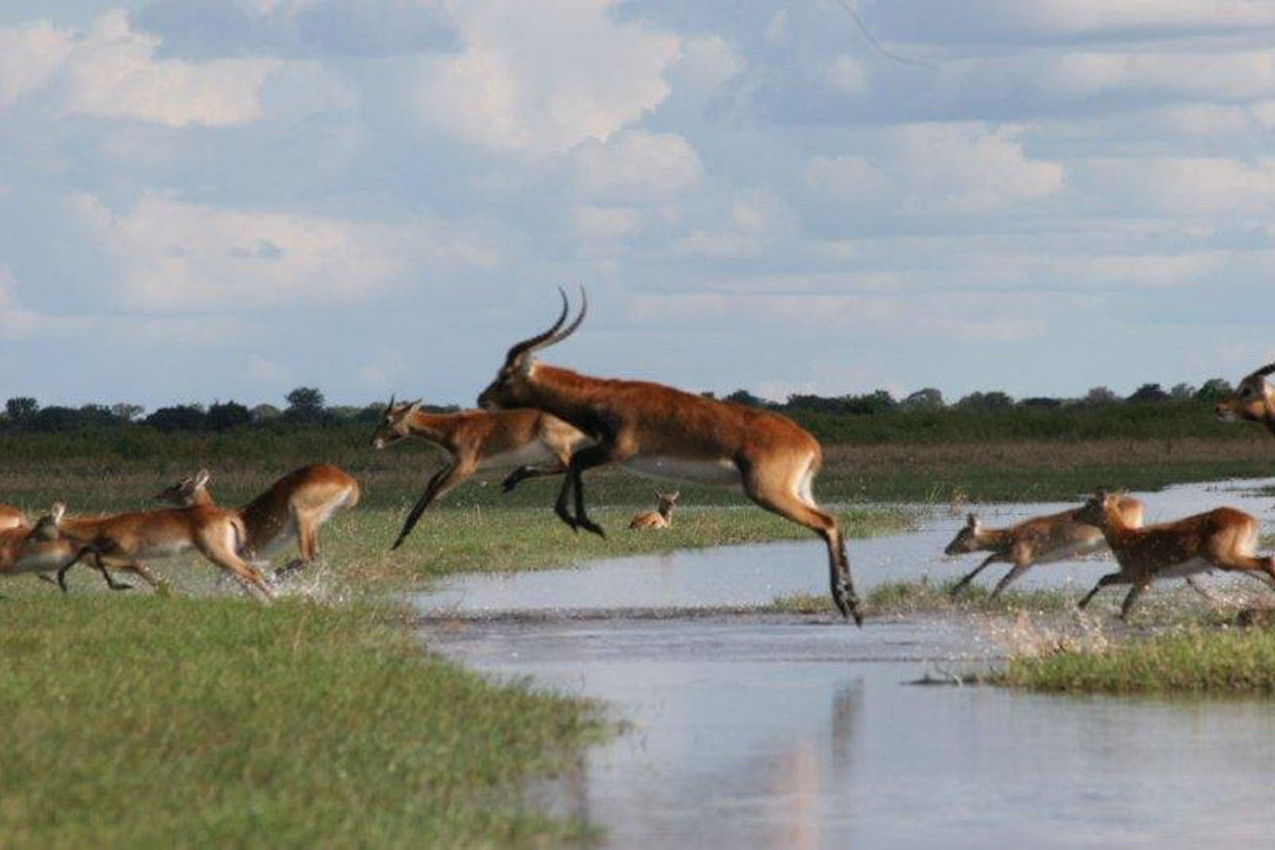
x=305, y=408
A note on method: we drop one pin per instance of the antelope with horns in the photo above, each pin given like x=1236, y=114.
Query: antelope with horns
x=657, y=430
x=1253, y=400
x=125, y=541
x=293, y=508
x=661, y=517
x=1223, y=538
x=475, y=439
x=42, y=549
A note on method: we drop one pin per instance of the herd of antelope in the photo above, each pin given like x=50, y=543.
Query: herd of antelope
x=553, y=421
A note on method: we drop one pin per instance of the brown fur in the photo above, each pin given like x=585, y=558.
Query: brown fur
x=661, y=517
x=774, y=458
x=295, y=505
x=472, y=440
x=1032, y=541
x=11, y=517
x=1223, y=538
x=124, y=541
x=38, y=548
x=1253, y=401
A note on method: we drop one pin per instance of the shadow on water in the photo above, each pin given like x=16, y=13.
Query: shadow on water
x=755, y=730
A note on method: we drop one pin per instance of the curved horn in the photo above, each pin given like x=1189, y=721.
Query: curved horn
x=571, y=328
x=390, y=406
x=541, y=339
x=1264, y=371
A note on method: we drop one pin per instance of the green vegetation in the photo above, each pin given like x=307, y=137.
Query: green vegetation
x=927, y=597
x=1191, y=660
x=145, y=721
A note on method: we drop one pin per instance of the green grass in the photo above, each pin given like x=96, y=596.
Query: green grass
x=926, y=597
x=156, y=722
x=1194, y=660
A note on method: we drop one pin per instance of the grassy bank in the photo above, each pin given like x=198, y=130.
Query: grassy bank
x=221, y=722
x=1186, y=661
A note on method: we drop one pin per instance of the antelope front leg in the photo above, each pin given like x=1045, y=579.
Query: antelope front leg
x=586, y=459
x=969, y=577
x=522, y=473
x=427, y=498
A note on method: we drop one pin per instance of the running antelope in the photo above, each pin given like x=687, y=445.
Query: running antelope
x=661, y=517
x=124, y=541
x=657, y=430
x=42, y=549
x=475, y=439
x=1254, y=400
x=1223, y=538
x=293, y=508
x=1039, y=540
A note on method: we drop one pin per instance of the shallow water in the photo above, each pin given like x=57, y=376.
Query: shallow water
x=779, y=731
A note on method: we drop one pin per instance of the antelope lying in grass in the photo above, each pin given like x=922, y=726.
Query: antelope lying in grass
x=1223, y=538
x=475, y=439
x=657, y=430
x=42, y=549
x=1039, y=540
x=661, y=517
x=125, y=541
x=293, y=508
x=1254, y=400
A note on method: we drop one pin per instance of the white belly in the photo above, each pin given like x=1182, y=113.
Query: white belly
x=701, y=471
x=38, y=560
x=1071, y=551
x=1186, y=568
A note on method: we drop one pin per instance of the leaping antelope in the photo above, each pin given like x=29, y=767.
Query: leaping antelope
x=42, y=549
x=1223, y=538
x=475, y=439
x=124, y=541
x=657, y=430
x=1253, y=400
x=661, y=517
x=1039, y=540
x=293, y=508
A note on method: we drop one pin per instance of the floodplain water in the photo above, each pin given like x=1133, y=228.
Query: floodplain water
x=764, y=730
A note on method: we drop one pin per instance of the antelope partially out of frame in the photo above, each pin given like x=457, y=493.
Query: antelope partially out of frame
x=124, y=541
x=657, y=430
x=11, y=517
x=475, y=439
x=661, y=517
x=42, y=549
x=1254, y=400
x=1039, y=540
x=1223, y=538
x=293, y=508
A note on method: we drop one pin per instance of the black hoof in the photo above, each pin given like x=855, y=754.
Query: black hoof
x=119, y=585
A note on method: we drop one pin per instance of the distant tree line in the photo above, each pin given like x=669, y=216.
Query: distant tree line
x=305, y=408
x=930, y=400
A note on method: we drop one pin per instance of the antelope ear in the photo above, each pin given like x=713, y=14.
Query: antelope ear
x=971, y=520
x=675, y=495
x=57, y=511
x=414, y=406
x=201, y=478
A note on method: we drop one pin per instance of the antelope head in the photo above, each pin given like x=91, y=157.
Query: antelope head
x=1097, y=510
x=1254, y=400
x=46, y=528
x=966, y=540
x=186, y=491
x=512, y=386
x=395, y=422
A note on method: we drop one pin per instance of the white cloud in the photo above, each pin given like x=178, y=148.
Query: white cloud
x=265, y=370
x=591, y=223
x=17, y=320
x=175, y=255
x=635, y=165
x=1186, y=186
x=706, y=64
x=851, y=179
x=742, y=228
x=113, y=73
x=539, y=78
x=29, y=55
x=847, y=75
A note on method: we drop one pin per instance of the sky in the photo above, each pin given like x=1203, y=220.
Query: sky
x=226, y=199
